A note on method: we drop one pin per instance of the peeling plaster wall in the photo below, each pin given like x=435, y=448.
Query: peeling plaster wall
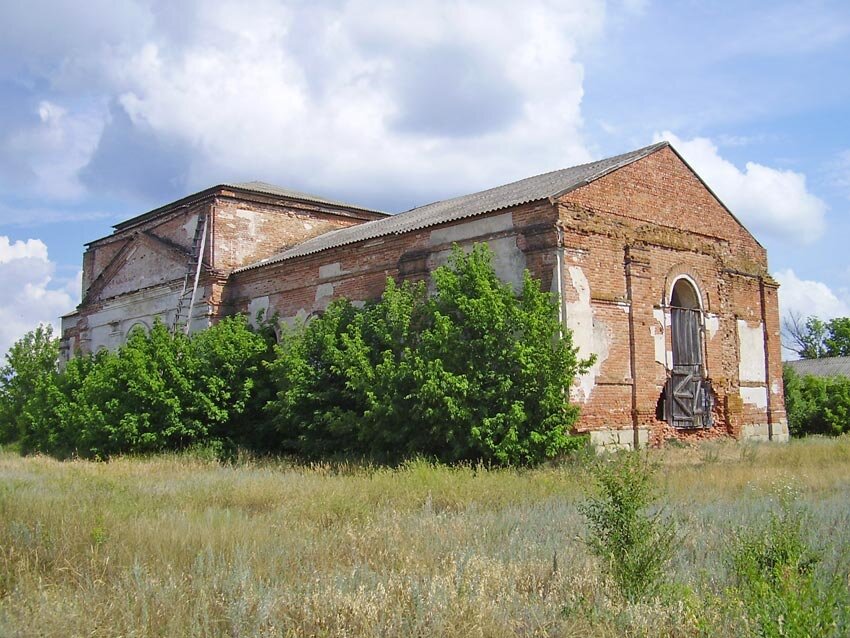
x=712, y=325
x=176, y=227
x=151, y=253
x=109, y=326
x=754, y=396
x=751, y=364
x=331, y=270
x=190, y=226
x=590, y=336
x=658, y=331
x=508, y=260
x=751, y=352
x=144, y=267
x=304, y=286
x=247, y=231
x=255, y=307
x=324, y=295
x=470, y=230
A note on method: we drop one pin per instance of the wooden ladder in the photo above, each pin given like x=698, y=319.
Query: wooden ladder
x=186, y=301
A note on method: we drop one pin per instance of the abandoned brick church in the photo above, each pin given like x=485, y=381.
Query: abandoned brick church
x=654, y=274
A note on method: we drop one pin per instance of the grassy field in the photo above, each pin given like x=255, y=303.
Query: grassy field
x=179, y=546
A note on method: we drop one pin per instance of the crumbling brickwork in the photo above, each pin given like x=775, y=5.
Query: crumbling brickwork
x=612, y=245
x=632, y=234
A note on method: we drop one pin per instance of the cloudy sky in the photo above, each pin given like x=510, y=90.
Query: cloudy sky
x=109, y=108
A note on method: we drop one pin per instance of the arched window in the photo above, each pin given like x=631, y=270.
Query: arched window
x=139, y=325
x=686, y=317
x=684, y=294
x=689, y=400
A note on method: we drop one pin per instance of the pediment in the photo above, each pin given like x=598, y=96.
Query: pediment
x=662, y=190
x=143, y=262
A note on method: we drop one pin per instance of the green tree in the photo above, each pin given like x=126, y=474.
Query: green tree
x=49, y=417
x=315, y=410
x=815, y=338
x=472, y=372
x=495, y=367
x=29, y=361
x=228, y=378
x=837, y=341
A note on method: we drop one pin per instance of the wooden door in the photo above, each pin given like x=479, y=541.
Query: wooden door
x=688, y=403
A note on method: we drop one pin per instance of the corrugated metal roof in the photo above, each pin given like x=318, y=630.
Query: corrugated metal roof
x=271, y=189
x=825, y=367
x=524, y=191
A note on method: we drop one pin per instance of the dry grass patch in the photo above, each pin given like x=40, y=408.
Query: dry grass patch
x=177, y=546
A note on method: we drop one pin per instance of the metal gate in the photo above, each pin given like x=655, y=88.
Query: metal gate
x=688, y=393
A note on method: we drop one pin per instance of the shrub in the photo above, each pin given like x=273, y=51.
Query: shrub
x=315, y=410
x=816, y=405
x=777, y=580
x=473, y=372
x=628, y=532
x=158, y=391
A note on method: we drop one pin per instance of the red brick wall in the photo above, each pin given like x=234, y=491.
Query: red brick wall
x=632, y=233
x=662, y=191
x=295, y=286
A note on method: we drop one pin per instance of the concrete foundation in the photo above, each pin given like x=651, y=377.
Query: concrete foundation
x=615, y=439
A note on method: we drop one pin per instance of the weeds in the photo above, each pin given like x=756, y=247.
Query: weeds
x=628, y=532
x=176, y=545
x=777, y=579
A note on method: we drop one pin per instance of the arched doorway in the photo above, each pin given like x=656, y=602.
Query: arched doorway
x=688, y=394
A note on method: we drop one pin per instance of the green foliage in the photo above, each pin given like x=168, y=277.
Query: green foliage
x=815, y=338
x=158, y=391
x=471, y=372
x=28, y=362
x=816, y=405
x=315, y=411
x=837, y=341
x=776, y=579
x=628, y=533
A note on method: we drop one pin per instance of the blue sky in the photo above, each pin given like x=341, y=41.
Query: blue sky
x=113, y=107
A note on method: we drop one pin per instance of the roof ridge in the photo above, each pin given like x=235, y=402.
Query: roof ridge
x=259, y=186
x=646, y=150
x=547, y=185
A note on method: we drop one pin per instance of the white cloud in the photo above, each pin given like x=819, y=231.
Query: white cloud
x=361, y=102
x=768, y=200
x=387, y=101
x=53, y=146
x=805, y=297
x=21, y=249
x=32, y=294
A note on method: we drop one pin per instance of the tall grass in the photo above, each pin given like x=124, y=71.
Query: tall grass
x=180, y=546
